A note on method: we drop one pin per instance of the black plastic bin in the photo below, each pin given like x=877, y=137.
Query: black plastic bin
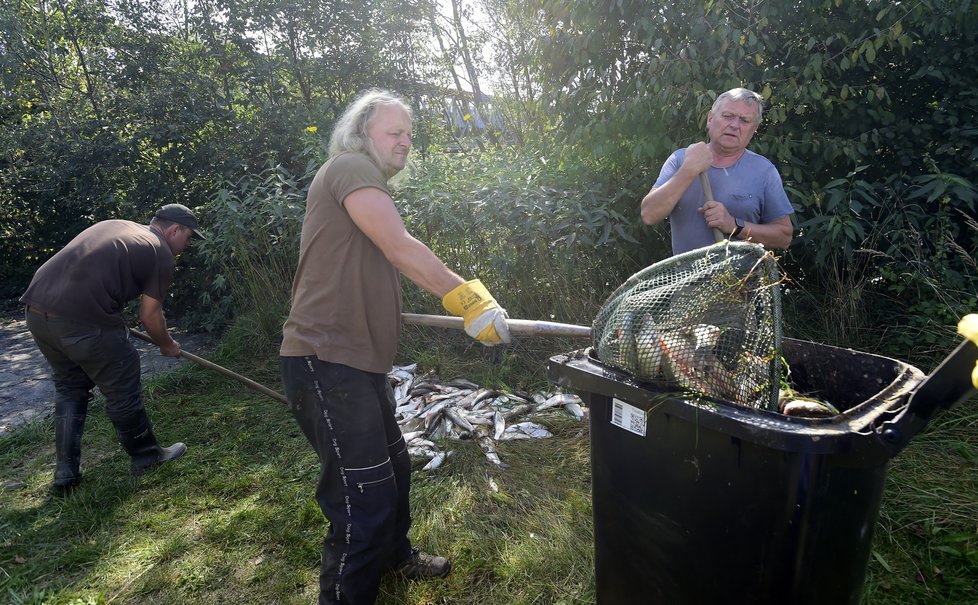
x=711, y=503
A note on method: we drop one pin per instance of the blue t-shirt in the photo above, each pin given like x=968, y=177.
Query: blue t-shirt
x=751, y=189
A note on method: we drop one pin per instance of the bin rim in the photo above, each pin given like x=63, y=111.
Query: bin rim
x=850, y=430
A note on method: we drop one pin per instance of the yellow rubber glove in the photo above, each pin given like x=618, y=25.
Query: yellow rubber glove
x=968, y=327
x=484, y=319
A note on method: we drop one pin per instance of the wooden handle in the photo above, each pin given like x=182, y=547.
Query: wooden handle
x=519, y=327
x=251, y=384
x=708, y=194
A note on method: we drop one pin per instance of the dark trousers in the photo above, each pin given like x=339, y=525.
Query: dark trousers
x=83, y=356
x=348, y=417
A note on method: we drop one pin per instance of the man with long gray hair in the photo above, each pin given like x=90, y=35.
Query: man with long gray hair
x=340, y=340
x=749, y=201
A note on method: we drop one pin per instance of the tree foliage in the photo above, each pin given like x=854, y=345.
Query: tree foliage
x=870, y=117
x=111, y=109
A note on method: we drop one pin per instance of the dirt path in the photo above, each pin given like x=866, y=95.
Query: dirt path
x=26, y=390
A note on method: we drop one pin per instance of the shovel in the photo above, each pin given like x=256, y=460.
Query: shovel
x=251, y=384
x=529, y=327
x=708, y=195
x=519, y=327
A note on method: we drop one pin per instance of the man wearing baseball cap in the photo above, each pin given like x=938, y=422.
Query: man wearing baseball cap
x=74, y=312
x=181, y=215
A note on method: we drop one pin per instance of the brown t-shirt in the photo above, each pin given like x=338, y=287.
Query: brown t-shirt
x=346, y=296
x=103, y=268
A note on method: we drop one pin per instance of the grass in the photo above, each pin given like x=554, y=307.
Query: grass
x=235, y=520
x=926, y=544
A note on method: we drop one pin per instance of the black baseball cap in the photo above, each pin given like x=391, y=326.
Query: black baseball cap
x=181, y=215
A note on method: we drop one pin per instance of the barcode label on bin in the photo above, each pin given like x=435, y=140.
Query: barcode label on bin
x=627, y=417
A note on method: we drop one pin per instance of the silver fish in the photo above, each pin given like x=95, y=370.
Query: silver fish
x=421, y=452
x=449, y=394
x=526, y=430
x=480, y=417
x=489, y=448
x=410, y=406
x=401, y=393
x=410, y=425
x=420, y=442
x=436, y=461
x=649, y=350
x=433, y=411
x=440, y=428
x=499, y=425
x=411, y=435
x=493, y=404
x=458, y=421
x=462, y=383
x=519, y=410
x=558, y=400
x=574, y=410
x=473, y=397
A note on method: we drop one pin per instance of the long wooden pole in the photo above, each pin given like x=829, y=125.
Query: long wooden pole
x=251, y=384
x=520, y=327
x=708, y=194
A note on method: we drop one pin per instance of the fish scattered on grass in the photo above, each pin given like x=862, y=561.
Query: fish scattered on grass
x=436, y=460
x=526, y=430
x=429, y=412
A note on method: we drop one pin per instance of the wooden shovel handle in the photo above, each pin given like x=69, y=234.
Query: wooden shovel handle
x=708, y=194
x=519, y=327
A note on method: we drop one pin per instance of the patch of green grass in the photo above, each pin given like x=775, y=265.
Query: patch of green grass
x=235, y=520
x=926, y=544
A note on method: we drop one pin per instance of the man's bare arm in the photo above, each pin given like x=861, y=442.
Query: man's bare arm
x=151, y=316
x=776, y=234
x=374, y=213
x=660, y=201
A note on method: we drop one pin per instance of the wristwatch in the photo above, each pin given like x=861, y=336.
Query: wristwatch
x=740, y=227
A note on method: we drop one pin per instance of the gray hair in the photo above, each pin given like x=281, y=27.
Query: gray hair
x=350, y=131
x=743, y=95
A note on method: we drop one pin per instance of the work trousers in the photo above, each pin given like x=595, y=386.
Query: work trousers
x=83, y=356
x=347, y=415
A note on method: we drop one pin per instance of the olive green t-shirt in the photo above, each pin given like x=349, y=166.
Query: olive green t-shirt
x=100, y=270
x=346, y=295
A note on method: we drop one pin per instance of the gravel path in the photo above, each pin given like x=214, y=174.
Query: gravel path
x=26, y=390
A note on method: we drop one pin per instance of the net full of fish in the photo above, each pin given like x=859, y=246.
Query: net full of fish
x=707, y=321
x=430, y=412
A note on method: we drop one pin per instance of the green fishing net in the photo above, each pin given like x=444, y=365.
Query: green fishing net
x=706, y=321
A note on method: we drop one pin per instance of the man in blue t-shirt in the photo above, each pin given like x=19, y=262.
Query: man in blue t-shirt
x=749, y=202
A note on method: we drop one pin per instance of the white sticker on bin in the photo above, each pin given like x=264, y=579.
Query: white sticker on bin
x=627, y=417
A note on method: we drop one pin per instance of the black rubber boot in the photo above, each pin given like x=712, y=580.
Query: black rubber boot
x=67, y=444
x=146, y=452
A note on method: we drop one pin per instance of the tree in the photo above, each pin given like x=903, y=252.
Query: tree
x=870, y=118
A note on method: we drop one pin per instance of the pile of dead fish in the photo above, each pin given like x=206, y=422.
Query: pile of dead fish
x=430, y=412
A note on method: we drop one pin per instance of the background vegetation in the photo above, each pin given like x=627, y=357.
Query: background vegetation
x=111, y=108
